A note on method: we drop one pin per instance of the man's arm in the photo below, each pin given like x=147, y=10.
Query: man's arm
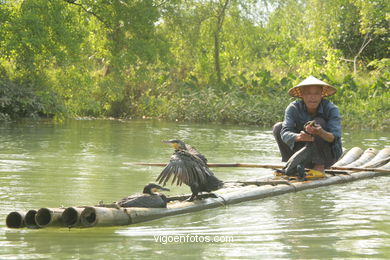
x=319, y=131
x=333, y=126
x=303, y=137
x=287, y=133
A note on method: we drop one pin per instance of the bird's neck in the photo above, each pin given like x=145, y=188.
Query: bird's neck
x=149, y=192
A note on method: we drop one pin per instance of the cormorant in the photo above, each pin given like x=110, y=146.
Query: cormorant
x=188, y=166
x=148, y=199
x=295, y=166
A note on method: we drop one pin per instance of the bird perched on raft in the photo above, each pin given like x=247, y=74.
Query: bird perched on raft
x=295, y=166
x=149, y=199
x=188, y=166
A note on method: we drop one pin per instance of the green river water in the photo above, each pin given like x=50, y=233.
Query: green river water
x=81, y=162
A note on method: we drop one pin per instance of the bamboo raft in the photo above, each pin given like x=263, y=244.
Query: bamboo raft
x=355, y=164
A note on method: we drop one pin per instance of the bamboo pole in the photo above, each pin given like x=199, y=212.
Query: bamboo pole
x=350, y=156
x=101, y=216
x=354, y=159
x=334, y=169
x=244, y=165
x=49, y=217
x=380, y=159
x=71, y=216
x=359, y=169
x=386, y=166
x=29, y=219
x=15, y=219
x=367, y=156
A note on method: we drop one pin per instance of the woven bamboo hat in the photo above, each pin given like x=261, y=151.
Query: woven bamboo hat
x=327, y=90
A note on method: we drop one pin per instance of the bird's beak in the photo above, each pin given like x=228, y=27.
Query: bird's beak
x=164, y=189
x=173, y=145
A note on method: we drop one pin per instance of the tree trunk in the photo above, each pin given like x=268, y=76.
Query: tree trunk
x=217, y=65
x=220, y=17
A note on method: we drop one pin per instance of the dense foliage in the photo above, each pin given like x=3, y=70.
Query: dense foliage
x=195, y=60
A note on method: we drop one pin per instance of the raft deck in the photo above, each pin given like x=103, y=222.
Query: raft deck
x=375, y=163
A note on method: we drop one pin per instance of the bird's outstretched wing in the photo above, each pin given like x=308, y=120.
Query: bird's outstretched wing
x=185, y=168
x=192, y=150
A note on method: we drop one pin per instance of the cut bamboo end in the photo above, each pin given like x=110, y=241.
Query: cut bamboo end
x=88, y=217
x=380, y=159
x=15, y=219
x=365, y=158
x=49, y=217
x=71, y=216
x=30, y=219
x=100, y=216
x=349, y=157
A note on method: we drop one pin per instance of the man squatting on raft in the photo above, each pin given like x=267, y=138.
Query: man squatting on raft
x=326, y=135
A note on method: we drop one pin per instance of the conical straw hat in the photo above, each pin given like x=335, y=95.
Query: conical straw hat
x=327, y=90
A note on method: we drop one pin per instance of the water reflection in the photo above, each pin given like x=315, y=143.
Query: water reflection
x=81, y=163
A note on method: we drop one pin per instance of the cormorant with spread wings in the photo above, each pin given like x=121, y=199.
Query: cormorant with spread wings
x=188, y=166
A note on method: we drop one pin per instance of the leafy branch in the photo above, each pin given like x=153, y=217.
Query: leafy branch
x=87, y=10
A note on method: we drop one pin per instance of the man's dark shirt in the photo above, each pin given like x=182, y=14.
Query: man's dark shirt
x=296, y=116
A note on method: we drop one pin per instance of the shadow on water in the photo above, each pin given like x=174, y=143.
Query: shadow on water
x=82, y=162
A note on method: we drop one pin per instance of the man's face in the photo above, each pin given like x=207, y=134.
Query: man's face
x=312, y=96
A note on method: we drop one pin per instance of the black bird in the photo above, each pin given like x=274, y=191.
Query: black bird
x=295, y=166
x=188, y=166
x=149, y=199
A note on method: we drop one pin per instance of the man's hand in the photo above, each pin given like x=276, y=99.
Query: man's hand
x=313, y=130
x=304, y=137
x=317, y=130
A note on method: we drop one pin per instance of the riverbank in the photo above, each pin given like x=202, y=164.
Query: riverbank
x=362, y=106
x=241, y=108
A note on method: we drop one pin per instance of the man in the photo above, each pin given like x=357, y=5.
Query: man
x=291, y=135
